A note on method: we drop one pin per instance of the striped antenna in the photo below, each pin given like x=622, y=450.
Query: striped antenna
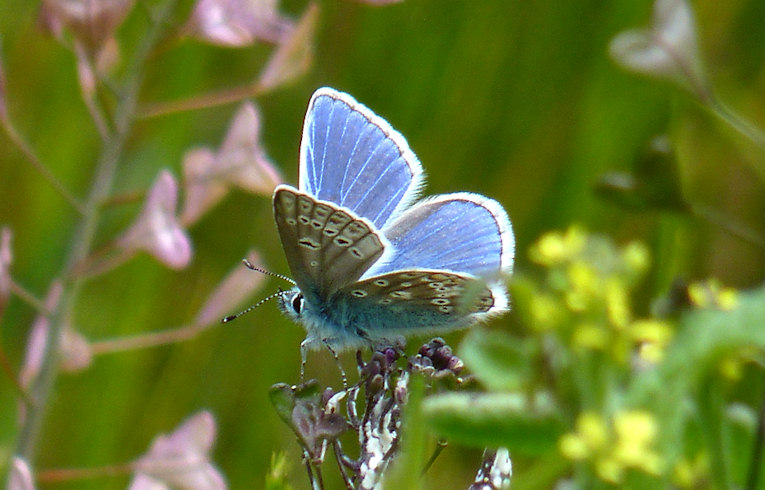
x=267, y=298
x=249, y=265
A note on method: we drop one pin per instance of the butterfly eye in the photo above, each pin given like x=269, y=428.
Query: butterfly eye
x=297, y=303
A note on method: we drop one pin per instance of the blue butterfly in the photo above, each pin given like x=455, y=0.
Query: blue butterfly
x=369, y=263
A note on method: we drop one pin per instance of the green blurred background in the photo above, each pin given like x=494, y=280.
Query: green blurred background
x=515, y=100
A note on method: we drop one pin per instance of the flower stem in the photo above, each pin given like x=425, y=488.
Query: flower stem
x=84, y=236
x=743, y=127
x=31, y=157
x=204, y=101
x=152, y=339
x=70, y=474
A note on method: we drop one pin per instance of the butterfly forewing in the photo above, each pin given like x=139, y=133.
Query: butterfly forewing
x=351, y=157
x=326, y=247
x=461, y=232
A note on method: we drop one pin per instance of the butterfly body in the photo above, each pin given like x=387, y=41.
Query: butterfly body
x=369, y=266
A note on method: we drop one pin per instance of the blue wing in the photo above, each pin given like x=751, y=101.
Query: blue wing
x=461, y=232
x=353, y=158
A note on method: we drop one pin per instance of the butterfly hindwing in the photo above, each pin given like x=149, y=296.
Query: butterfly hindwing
x=326, y=246
x=351, y=157
x=414, y=301
x=460, y=232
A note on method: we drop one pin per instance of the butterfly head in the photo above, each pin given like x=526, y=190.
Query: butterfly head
x=292, y=303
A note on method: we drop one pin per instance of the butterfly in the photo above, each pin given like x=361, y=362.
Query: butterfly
x=370, y=263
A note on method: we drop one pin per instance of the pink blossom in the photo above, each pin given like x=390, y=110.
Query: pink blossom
x=38, y=338
x=92, y=22
x=6, y=257
x=157, y=230
x=294, y=56
x=20, y=476
x=241, y=161
x=181, y=459
x=666, y=49
x=238, y=23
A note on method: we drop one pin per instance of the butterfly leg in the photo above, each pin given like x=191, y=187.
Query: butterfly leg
x=303, y=358
x=327, y=343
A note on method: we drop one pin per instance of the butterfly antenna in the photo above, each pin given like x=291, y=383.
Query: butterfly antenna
x=255, y=268
x=267, y=298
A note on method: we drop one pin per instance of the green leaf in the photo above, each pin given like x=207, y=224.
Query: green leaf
x=703, y=339
x=508, y=420
x=499, y=361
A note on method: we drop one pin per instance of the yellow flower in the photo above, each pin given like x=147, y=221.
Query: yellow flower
x=556, y=248
x=618, y=304
x=546, y=312
x=590, y=336
x=711, y=294
x=636, y=257
x=614, y=448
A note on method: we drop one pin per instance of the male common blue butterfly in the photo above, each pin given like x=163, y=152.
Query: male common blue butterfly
x=369, y=265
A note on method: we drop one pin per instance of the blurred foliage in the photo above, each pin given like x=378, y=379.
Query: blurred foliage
x=515, y=100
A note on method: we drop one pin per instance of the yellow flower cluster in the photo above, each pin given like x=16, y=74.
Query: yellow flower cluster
x=586, y=297
x=712, y=294
x=616, y=446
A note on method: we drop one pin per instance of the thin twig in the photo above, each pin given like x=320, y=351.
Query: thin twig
x=152, y=339
x=338, y=450
x=85, y=235
x=440, y=446
x=31, y=157
x=753, y=478
x=20, y=292
x=5, y=365
x=69, y=474
x=728, y=224
x=203, y=101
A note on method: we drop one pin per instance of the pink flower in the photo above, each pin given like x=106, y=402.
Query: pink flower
x=180, y=459
x=294, y=56
x=92, y=22
x=238, y=285
x=238, y=23
x=157, y=229
x=241, y=161
x=20, y=476
x=73, y=350
x=38, y=338
x=666, y=49
x=6, y=257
